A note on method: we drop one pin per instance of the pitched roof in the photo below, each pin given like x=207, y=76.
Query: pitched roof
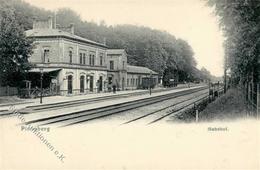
x=140, y=70
x=115, y=51
x=59, y=33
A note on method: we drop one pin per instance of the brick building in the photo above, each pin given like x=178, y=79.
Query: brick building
x=137, y=74
x=126, y=76
x=75, y=65
x=117, y=68
x=69, y=62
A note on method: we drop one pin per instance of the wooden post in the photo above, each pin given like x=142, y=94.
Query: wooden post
x=8, y=90
x=252, y=98
x=248, y=97
x=197, y=115
x=150, y=83
x=209, y=92
x=257, y=100
x=218, y=88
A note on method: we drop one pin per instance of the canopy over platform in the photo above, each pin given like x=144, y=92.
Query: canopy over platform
x=44, y=70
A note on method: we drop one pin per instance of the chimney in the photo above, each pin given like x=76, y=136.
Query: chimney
x=55, y=21
x=105, y=41
x=50, y=22
x=71, y=28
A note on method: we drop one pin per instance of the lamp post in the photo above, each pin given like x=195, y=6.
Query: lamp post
x=41, y=70
x=150, y=83
x=87, y=84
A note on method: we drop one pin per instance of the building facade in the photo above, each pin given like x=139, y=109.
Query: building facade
x=117, y=68
x=138, y=77
x=71, y=64
x=125, y=76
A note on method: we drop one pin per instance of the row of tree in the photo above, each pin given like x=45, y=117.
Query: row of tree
x=240, y=21
x=15, y=48
x=157, y=50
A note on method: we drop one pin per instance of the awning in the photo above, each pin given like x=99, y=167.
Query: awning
x=44, y=70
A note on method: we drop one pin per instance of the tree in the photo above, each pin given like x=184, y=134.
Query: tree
x=205, y=74
x=240, y=21
x=15, y=49
x=155, y=49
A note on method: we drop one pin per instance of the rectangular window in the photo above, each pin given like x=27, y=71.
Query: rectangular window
x=111, y=65
x=80, y=58
x=127, y=82
x=101, y=60
x=91, y=59
x=84, y=58
x=70, y=56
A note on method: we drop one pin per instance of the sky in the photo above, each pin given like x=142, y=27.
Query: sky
x=190, y=20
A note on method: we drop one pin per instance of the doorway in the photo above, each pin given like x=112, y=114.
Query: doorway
x=70, y=84
x=82, y=80
x=100, y=83
x=91, y=81
x=123, y=83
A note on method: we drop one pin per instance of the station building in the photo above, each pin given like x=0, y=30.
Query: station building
x=74, y=65
x=69, y=62
x=125, y=76
x=137, y=74
x=117, y=68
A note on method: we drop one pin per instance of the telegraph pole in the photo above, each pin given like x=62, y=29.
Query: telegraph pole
x=150, y=83
x=225, y=75
x=41, y=69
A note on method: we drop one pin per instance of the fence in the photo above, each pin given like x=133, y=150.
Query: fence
x=215, y=90
x=36, y=92
x=8, y=91
x=252, y=92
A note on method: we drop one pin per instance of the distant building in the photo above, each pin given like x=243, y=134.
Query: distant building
x=76, y=65
x=137, y=74
x=117, y=68
x=126, y=76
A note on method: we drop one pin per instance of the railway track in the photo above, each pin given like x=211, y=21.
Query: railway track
x=91, y=114
x=66, y=104
x=168, y=110
x=174, y=109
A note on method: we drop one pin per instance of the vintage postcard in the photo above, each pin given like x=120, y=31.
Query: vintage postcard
x=129, y=84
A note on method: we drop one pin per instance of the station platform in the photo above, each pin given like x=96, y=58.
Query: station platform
x=66, y=110
x=56, y=99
